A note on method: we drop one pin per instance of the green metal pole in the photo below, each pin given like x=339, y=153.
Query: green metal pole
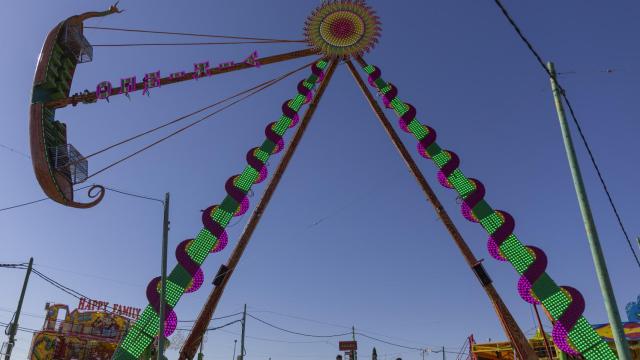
x=163, y=277
x=13, y=327
x=592, y=235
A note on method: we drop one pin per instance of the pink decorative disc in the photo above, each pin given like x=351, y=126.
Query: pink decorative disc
x=261, y=175
x=279, y=146
x=561, y=337
x=403, y=125
x=295, y=119
x=196, y=282
x=524, y=289
x=467, y=213
x=494, y=251
x=170, y=323
x=423, y=152
x=244, y=206
x=443, y=180
x=221, y=243
x=386, y=103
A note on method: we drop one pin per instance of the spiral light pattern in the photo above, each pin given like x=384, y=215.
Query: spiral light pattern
x=571, y=332
x=187, y=276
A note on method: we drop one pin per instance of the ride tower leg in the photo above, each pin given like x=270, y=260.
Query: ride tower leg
x=509, y=325
x=187, y=275
x=202, y=322
x=571, y=332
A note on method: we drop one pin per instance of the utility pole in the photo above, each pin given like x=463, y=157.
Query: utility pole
x=244, y=321
x=511, y=328
x=354, y=353
x=163, y=277
x=443, y=354
x=13, y=326
x=592, y=234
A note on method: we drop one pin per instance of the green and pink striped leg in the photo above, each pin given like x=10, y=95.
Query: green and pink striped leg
x=187, y=276
x=571, y=332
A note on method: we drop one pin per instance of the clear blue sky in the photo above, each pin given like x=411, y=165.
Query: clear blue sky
x=348, y=238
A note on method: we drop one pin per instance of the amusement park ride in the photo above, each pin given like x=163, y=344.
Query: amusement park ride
x=336, y=31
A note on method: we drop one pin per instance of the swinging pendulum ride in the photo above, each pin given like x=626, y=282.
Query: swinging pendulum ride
x=337, y=31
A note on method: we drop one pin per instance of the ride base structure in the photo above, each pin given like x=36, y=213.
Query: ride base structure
x=337, y=31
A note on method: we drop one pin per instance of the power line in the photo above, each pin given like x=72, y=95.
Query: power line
x=14, y=266
x=15, y=151
x=215, y=318
x=426, y=347
x=20, y=328
x=563, y=93
x=134, y=195
x=216, y=327
x=390, y=343
x=295, y=332
x=338, y=335
x=278, y=341
x=335, y=325
x=82, y=188
x=39, y=200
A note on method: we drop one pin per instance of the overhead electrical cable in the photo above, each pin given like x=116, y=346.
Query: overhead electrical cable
x=215, y=318
x=295, y=332
x=15, y=151
x=20, y=328
x=563, y=93
x=82, y=188
x=39, y=200
x=134, y=195
x=14, y=266
x=389, y=343
x=189, y=34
